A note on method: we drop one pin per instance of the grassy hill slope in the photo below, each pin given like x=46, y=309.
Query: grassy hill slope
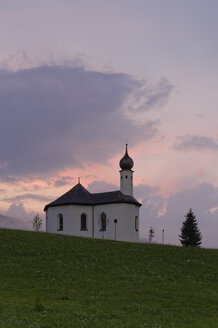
x=54, y=281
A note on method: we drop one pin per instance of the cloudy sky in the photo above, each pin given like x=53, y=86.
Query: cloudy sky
x=79, y=78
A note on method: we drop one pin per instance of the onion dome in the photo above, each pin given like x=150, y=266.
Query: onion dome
x=126, y=163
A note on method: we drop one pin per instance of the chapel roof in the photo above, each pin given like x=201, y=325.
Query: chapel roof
x=79, y=195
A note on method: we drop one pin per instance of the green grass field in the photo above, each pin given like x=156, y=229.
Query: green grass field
x=49, y=281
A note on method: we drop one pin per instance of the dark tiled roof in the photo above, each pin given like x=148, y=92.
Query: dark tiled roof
x=78, y=195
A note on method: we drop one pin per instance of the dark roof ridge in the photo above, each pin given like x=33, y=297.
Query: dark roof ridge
x=79, y=195
x=105, y=192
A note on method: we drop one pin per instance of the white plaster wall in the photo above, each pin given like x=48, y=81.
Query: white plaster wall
x=125, y=226
x=126, y=182
x=124, y=213
x=71, y=220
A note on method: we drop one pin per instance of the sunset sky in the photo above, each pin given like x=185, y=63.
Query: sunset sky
x=79, y=78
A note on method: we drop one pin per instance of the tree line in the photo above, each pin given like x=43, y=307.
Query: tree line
x=190, y=234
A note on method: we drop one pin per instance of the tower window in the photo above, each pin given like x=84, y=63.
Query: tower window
x=126, y=176
x=60, y=222
x=103, y=221
x=83, y=222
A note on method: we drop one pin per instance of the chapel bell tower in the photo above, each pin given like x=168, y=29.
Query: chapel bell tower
x=126, y=174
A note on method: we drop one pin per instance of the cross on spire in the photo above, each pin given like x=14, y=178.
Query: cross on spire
x=126, y=148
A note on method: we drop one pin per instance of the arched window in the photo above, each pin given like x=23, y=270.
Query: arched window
x=103, y=221
x=136, y=223
x=83, y=222
x=60, y=222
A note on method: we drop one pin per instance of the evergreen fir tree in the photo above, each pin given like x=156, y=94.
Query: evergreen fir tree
x=190, y=234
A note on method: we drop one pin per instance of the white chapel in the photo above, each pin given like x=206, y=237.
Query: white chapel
x=109, y=215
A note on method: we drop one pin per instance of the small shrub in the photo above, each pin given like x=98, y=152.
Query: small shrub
x=37, y=222
x=39, y=307
x=65, y=298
